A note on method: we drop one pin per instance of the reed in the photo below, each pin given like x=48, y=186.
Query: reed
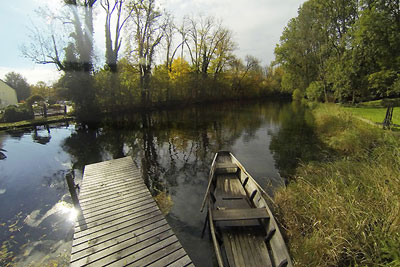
x=345, y=211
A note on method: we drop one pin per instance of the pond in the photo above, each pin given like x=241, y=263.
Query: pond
x=174, y=149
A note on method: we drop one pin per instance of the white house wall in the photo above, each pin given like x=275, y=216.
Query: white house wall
x=8, y=96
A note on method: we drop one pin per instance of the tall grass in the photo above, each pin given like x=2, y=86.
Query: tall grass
x=345, y=211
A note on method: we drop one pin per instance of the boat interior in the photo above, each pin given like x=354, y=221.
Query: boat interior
x=240, y=218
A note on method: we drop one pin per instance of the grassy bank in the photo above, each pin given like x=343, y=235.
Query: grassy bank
x=27, y=123
x=345, y=210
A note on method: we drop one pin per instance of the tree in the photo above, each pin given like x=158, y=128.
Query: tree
x=78, y=77
x=296, y=56
x=20, y=85
x=274, y=79
x=209, y=45
x=40, y=88
x=169, y=35
x=206, y=40
x=71, y=52
x=49, y=39
x=376, y=36
x=223, y=52
x=147, y=35
x=179, y=69
x=112, y=49
x=68, y=32
x=310, y=41
x=83, y=31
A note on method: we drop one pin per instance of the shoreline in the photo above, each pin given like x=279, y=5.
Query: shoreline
x=9, y=126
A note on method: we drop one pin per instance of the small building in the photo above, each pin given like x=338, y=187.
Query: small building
x=8, y=96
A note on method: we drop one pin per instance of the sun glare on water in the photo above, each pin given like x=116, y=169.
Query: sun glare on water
x=68, y=210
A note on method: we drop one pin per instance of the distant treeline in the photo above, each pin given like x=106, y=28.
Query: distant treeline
x=182, y=84
x=342, y=50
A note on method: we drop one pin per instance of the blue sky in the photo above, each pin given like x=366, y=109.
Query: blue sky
x=256, y=24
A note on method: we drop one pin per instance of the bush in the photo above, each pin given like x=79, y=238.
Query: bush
x=14, y=113
x=297, y=95
x=315, y=91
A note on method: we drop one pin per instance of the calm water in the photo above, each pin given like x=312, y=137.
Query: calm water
x=174, y=150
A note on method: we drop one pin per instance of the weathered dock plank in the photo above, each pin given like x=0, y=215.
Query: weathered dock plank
x=120, y=223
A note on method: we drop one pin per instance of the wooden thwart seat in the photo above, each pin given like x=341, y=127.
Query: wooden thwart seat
x=224, y=167
x=239, y=214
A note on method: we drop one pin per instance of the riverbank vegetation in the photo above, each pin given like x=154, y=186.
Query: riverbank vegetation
x=343, y=208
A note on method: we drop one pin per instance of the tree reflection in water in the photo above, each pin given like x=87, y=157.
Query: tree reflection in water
x=168, y=143
x=295, y=139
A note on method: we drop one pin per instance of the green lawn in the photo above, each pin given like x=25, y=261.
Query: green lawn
x=374, y=114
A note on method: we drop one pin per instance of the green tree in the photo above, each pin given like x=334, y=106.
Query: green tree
x=20, y=85
x=315, y=91
x=310, y=41
x=376, y=36
x=45, y=91
x=297, y=51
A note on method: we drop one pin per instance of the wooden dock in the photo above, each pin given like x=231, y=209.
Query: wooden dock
x=120, y=224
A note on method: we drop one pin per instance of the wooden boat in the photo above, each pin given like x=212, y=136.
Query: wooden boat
x=243, y=229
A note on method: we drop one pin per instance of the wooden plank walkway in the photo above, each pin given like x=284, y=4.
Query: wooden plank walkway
x=120, y=224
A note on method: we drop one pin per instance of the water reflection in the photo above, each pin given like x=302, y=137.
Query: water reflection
x=39, y=138
x=2, y=151
x=295, y=139
x=174, y=150
x=35, y=209
x=62, y=208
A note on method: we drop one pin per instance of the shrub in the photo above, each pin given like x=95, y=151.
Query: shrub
x=20, y=113
x=315, y=91
x=297, y=95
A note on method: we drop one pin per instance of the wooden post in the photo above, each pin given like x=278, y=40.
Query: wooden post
x=72, y=188
x=44, y=110
x=388, y=118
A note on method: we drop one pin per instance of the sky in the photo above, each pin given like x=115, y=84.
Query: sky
x=256, y=25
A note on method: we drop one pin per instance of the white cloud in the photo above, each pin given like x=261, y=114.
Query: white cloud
x=34, y=73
